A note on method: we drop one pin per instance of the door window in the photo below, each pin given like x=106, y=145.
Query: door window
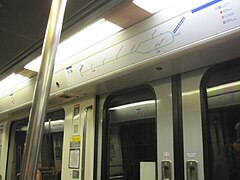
x=222, y=122
x=50, y=158
x=129, y=144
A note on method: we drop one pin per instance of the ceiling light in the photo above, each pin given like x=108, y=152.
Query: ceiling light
x=34, y=65
x=86, y=38
x=153, y=6
x=80, y=41
x=10, y=82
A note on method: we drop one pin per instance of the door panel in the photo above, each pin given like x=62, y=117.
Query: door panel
x=164, y=125
x=221, y=100
x=129, y=134
x=4, y=147
x=136, y=135
x=79, y=132
x=192, y=124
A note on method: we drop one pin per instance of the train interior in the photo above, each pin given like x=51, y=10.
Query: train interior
x=156, y=98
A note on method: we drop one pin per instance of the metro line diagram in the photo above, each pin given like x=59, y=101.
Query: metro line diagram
x=153, y=44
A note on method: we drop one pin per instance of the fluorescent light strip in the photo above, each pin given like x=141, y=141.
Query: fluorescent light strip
x=153, y=6
x=132, y=105
x=10, y=82
x=85, y=38
x=34, y=65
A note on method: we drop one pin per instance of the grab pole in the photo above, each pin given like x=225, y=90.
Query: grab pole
x=85, y=122
x=42, y=91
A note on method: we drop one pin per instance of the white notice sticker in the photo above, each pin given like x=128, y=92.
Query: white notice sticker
x=192, y=155
x=166, y=155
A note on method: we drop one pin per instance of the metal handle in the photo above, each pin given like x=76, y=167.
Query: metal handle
x=166, y=170
x=192, y=170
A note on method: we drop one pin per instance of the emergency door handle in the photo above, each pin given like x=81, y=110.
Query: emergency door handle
x=192, y=170
x=166, y=170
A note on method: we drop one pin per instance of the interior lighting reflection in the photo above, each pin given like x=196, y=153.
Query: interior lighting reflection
x=224, y=86
x=132, y=105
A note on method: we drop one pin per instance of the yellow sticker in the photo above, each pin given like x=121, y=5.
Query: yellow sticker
x=75, y=139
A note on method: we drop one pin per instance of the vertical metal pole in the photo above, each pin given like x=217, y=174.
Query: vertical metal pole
x=42, y=90
x=85, y=122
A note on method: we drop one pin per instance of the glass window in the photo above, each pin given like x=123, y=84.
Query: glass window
x=222, y=123
x=130, y=135
x=50, y=158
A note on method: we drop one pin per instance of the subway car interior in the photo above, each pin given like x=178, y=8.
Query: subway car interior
x=140, y=90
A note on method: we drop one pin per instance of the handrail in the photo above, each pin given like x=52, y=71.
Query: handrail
x=84, y=141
